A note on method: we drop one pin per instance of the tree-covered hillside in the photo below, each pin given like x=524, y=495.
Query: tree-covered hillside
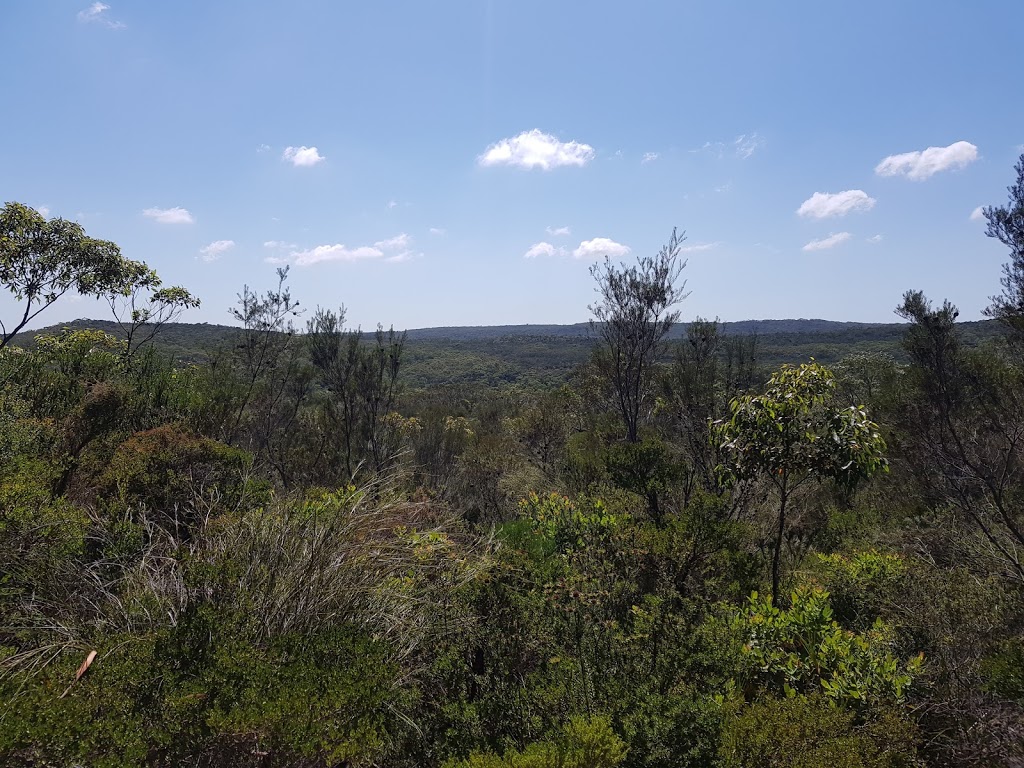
x=547, y=355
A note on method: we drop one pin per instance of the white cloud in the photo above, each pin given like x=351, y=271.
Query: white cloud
x=827, y=242
x=600, y=247
x=276, y=260
x=437, y=231
x=280, y=245
x=558, y=231
x=216, y=249
x=393, y=243
x=923, y=164
x=392, y=204
x=302, y=157
x=337, y=252
x=262, y=147
x=175, y=215
x=875, y=239
x=698, y=247
x=44, y=211
x=543, y=250
x=822, y=205
x=534, y=149
x=747, y=144
x=382, y=249
x=978, y=214
x=97, y=12
x=649, y=157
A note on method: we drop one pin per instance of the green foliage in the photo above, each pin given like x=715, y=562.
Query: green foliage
x=804, y=650
x=567, y=524
x=793, y=433
x=199, y=689
x=42, y=260
x=808, y=732
x=174, y=474
x=1003, y=671
x=790, y=431
x=860, y=585
x=581, y=743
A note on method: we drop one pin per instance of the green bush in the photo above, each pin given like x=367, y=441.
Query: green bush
x=171, y=472
x=581, y=743
x=804, y=650
x=809, y=732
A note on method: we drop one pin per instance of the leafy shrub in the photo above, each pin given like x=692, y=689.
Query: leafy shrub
x=860, y=584
x=581, y=743
x=808, y=732
x=804, y=650
x=168, y=470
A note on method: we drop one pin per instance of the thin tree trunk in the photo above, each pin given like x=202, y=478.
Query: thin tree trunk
x=777, y=554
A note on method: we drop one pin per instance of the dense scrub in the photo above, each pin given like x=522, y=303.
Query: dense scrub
x=681, y=557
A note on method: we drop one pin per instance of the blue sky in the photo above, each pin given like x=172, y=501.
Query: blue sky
x=406, y=157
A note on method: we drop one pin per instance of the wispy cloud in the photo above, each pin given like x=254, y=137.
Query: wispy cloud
x=398, y=241
x=924, y=164
x=827, y=242
x=558, y=231
x=543, y=250
x=875, y=239
x=438, y=231
x=97, y=13
x=216, y=249
x=823, y=205
x=302, y=157
x=649, y=157
x=743, y=146
x=698, y=247
x=175, y=215
x=44, y=211
x=262, y=147
x=534, y=149
x=747, y=144
x=600, y=247
x=978, y=214
x=280, y=245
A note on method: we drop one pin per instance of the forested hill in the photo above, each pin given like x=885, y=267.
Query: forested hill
x=530, y=355
x=760, y=327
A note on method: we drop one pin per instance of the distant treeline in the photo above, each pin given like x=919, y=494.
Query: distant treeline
x=546, y=355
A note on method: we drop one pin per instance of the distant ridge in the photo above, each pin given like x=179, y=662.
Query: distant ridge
x=546, y=355
x=802, y=326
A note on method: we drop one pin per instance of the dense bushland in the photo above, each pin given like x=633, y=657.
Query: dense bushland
x=682, y=557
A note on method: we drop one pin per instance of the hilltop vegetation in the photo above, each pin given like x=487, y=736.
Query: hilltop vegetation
x=547, y=355
x=640, y=544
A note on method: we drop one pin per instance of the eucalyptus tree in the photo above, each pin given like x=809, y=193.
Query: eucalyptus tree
x=145, y=308
x=42, y=260
x=794, y=433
